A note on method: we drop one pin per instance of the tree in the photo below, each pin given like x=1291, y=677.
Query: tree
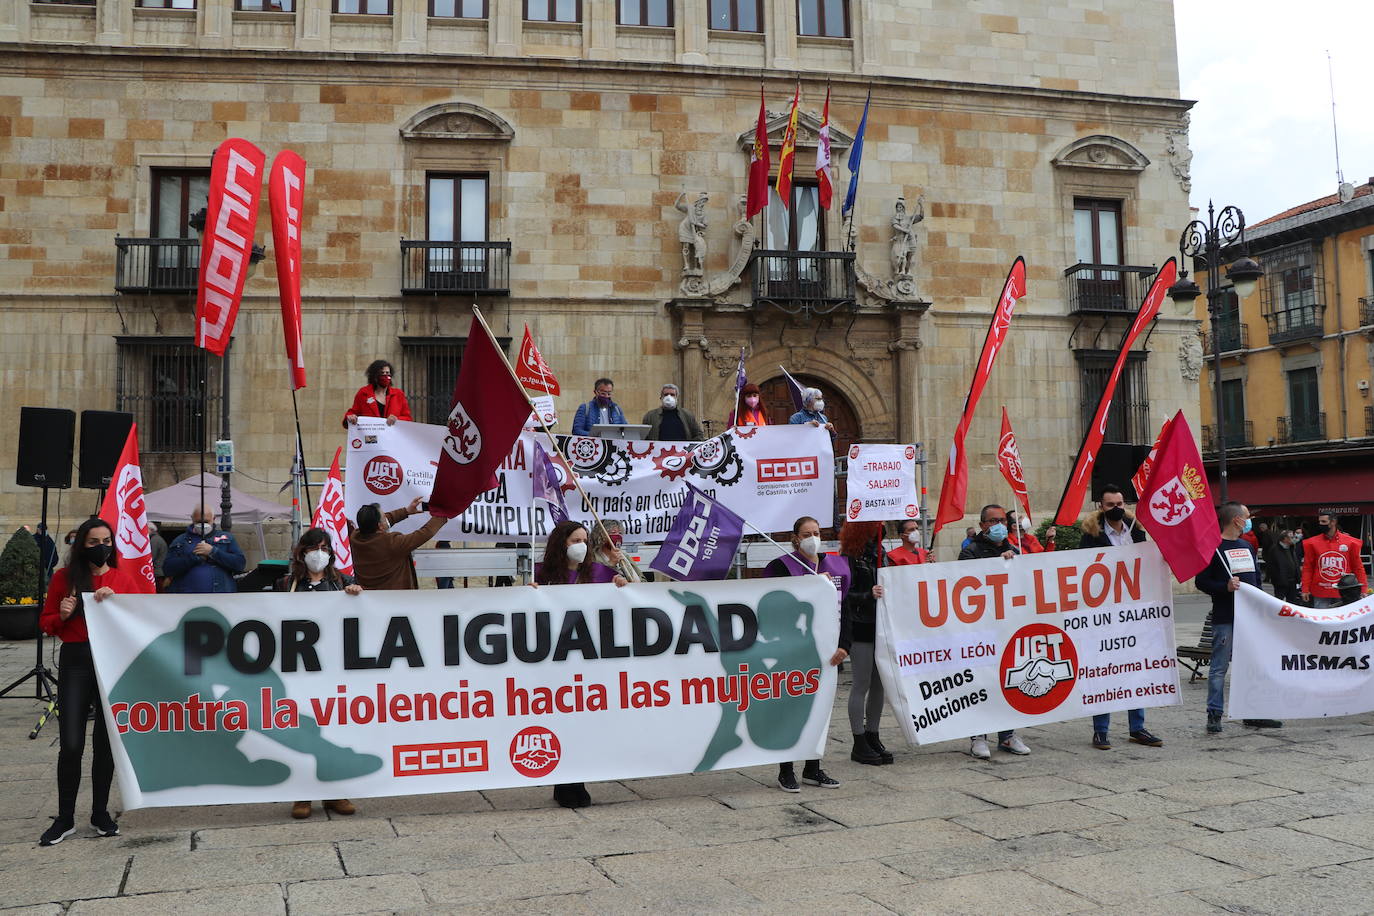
x=19, y=569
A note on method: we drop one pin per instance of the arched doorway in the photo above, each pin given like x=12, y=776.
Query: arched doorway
x=777, y=401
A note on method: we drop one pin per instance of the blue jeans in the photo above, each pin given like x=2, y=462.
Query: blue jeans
x=1135, y=719
x=1216, y=669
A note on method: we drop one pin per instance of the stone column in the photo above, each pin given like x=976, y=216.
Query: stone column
x=867, y=39
x=410, y=24
x=114, y=22
x=781, y=35
x=214, y=25
x=692, y=33
x=14, y=20
x=598, y=29
x=504, y=25
x=312, y=25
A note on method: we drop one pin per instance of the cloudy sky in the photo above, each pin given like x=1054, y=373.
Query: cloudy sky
x=1261, y=129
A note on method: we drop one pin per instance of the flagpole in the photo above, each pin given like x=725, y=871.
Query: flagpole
x=300, y=454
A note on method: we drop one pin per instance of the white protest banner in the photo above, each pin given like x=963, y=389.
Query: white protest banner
x=1293, y=662
x=881, y=483
x=277, y=697
x=978, y=646
x=768, y=475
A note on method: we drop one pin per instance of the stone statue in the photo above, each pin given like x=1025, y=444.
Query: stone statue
x=1190, y=357
x=691, y=232
x=904, y=236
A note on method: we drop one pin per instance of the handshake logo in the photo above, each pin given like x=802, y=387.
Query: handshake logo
x=1038, y=676
x=1038, y=668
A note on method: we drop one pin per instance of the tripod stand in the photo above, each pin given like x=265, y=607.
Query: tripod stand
x=45, y=684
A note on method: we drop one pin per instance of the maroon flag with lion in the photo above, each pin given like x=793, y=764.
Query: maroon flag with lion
x=1176, y=505
x=488, y=411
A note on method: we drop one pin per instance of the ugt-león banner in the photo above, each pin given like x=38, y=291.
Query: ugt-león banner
x=1295, y=662
x=978, y=646
x=276, y=697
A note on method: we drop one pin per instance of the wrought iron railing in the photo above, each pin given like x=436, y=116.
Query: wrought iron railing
x=1301, y=323
x=1106, y=288
x=455, y=268
x=1302, y=429
x=158, y=380
x=1232, y=335
x=804, y=281
x=1238, y=435
x=156, y=265
x=1369, y=421
x=1366, y=312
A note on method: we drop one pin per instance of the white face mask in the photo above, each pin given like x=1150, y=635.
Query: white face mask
x=1025, y=524
x=577, y=552
x=818, y=406
x=669, y=401
x=317, y=560
x=202, y=528
x=811, y=546
x=914, y=535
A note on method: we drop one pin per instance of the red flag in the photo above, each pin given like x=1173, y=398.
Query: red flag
x=123, y=508
x=823, y=187
x=231, y=216
x=286, y=199
x=1009, y=463
x=488, y=411
x=954, y=488
x=787, y=158
x=1071, y=503
x=1176, y=505
x=759, y=165
x=330, y=516
x=531, y=369
x=1142, y=476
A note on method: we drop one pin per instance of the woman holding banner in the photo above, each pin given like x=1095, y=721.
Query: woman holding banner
x=92, y=566
x=806, y=559
x=861, y=543
x=379, y=398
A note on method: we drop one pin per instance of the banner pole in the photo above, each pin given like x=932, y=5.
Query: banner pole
x=300, y=452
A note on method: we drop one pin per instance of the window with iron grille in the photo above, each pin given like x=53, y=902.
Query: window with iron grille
x=1128, y=421
x=553, y=10
x=158, y=379
x=829, y=18
x=1290, y=293
x=737, y=15
x=645, y=12
x=429, y=372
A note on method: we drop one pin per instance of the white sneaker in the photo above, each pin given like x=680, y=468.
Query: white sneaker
x=1015, y=745
x=978, y=747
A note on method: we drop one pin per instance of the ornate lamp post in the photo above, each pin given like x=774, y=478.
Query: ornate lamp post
x=1205, y=241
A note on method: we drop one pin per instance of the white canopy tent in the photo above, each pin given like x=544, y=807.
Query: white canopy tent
x=175, y=503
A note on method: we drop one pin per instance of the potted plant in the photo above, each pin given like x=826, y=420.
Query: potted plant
x=19, y=603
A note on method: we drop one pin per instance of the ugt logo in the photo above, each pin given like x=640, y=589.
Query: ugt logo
x=1038, y=668
x=535, y=751
x=383, y=474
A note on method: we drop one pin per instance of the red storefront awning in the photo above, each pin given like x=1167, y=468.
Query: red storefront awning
x=1299, y=491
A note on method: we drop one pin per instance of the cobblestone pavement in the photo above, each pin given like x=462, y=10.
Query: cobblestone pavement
x=1243, y=822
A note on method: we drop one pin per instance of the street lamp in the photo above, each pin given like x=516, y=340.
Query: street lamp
x=1205, y=241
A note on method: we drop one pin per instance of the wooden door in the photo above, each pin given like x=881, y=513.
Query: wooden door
x=778, y=403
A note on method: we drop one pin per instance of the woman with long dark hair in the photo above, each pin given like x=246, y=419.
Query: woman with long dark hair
x=92, y=567
x=379, y=398
x=861, y=543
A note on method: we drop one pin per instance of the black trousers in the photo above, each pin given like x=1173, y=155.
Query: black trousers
x=77, y=694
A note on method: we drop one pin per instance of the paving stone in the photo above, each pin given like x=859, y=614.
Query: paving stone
x=976, y=895
x=45, y=909
x=1245, y=816
x=913, y=804
x=1185, y=904
x=1273, y=850
x=807, y=881
x=416, y=854
x=1032, y=790
x=992, y=856
x=314, y=830
x=1209, y=792
x=387, y=893
x=1330, y=801
x=861, y=843
x=153, y=871
x=59, y=880
x=667, y=810
x=1138, y=805
x=726, y=825
x=487, y=822
x=243, y=898
x=512, y=882
x=603, y=793
x=720, y=782
x=1142, y=833
x=1332, y=889
x=1357, y=829
x=536, y=844
x=411, y=805
x=649, y=868
x=1164, y=870
x=206, y=817
x=1032, y=819
x=1163, y=772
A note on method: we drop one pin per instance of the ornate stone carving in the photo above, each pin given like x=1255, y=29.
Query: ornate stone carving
x=904, y=237
x=1100, y=151
x=457, y=121
x=904, y=343
x=1190, y=357
x=691, y=232
x=1180, y=156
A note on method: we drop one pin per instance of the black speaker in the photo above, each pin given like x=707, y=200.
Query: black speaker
x=103, y=433
x=1116, y=463
x=46, y=437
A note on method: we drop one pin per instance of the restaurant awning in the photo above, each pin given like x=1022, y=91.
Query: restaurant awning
x=1299, y=491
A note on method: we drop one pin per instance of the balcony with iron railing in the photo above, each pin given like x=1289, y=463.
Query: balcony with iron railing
x=1232, y=335
x=156, y=265
x=1309, y=428
x=1366, y=312
x=1369, y=421
x=455, y=268
x=1294, y=324
x=1238, y=435
x=1105, y=289
x=804, y=282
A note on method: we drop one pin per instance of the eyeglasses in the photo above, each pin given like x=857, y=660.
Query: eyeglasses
x=995, y=519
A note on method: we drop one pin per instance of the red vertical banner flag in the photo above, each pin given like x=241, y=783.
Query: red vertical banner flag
x=1071, y=503
x=531, y=369
x=787, y=156
x=231, y=216
x=759, y=164
x=330, y=516
x=1176, y=504
x=488, y=411
x=824, y=189
x=1142, y=476
x=123, y=508
x=286, y=200
x=1009, y=463
x=954, y=488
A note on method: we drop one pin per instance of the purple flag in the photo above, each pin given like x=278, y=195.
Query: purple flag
x=546, y=485
x=740, y=378
x=795, y=389
x=703, y=541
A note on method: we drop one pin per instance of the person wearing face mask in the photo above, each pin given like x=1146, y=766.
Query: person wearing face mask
x=312, y=570
x=992, y=541
x=1283, y=563
x=670, y=421
x=600, y=410
x=158, y=547
x=1024, y=539
x=204, y=559
x=806, y=559
x=379, y=398
x=861, y=544
x=606, y=547
x=910, y=552
x=381, y=557
x=751, y=412
x=813, y=411
x=92, y=566
x=1325, y=558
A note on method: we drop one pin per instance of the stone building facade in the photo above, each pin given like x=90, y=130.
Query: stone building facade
x=1030, y=127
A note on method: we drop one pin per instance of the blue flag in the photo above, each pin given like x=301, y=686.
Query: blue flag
x=856, y=154
x=703, y=541
x=546, y=484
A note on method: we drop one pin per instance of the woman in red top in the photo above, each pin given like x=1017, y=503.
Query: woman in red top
x=91, y=567
x=378, y=398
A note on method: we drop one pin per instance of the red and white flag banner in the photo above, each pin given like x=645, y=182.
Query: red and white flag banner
x=1071, y=503
x=954, y=488
x=531, y=369
x=1009, y=463
x=1142, y=476
x=1176, y=504
x=124, y=509
x=333, y=518
x=231, y=217
x=286, y=199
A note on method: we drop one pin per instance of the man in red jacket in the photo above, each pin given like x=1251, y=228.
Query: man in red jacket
x=1325, y=558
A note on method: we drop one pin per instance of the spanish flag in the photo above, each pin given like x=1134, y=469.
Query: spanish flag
x=788, y=156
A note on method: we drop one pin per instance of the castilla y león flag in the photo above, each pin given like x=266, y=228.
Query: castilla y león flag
x=1009, y=463
x=330, y=516
x=231, y=216
x=286, y=200
x=123, y=508
x=488, y=411
x=1176, y=506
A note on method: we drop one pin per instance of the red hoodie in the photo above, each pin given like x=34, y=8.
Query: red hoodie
x=1325, y=559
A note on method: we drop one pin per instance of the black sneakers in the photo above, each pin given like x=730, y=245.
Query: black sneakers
x=787, y=779
x=1214, y=722
x=104, y=824
x=818, y=777
x=62, y=827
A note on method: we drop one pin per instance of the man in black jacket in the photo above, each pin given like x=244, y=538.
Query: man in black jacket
x=1112, y=526
x=1283, y=562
